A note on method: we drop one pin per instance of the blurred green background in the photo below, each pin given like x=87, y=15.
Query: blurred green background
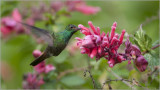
x=16, y=52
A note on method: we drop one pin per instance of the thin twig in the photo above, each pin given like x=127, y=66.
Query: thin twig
x=155, y=69
x=109, y=86
x=125, y=82
x=90, y=75
x=108, y=81
x=154, y=47
x=71, y=71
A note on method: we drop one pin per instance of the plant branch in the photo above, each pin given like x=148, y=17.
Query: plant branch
x=119, y=78
x=154, y=47
x=71, y=71
x=90, y=74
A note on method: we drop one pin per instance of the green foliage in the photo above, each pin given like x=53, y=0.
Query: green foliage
x=143, y=40
x=152, y=58
x=7, y=7
x=72, y=80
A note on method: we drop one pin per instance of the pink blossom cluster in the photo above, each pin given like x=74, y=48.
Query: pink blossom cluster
x=104, y=45
x=81, y=6
x=9, y=24
x=35, y=80
x=32, y=81
x=132, y=52
x=42, y=67
x=100, y=45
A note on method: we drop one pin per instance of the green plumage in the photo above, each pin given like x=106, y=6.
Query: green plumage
x=56, y=41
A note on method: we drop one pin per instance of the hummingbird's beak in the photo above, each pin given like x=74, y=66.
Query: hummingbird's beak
x=78, y=28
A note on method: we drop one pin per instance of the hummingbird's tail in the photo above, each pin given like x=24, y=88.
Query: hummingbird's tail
x=40, y=59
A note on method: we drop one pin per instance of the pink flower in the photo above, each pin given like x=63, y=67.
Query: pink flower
x=133, y=51
x=100, y=45
x=49, y=68
x=56, y=5
x=79, y=5
x=32, y=81
x=9, y=24
x=141, y=63
x=37, y=53
x=42, y=67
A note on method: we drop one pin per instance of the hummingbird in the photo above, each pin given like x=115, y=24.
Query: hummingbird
x=56, y=41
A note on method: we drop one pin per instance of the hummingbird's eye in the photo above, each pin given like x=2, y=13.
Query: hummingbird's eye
x=71, y=27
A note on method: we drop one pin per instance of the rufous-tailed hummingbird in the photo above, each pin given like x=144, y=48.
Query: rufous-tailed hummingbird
x=56, y=41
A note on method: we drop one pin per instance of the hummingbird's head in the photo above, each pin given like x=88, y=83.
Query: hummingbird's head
x=72, y=28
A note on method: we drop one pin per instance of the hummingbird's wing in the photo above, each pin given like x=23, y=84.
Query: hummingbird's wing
x=41, y=33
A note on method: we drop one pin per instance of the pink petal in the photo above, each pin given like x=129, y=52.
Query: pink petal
x=49, y=68
x=93, y=53
x=121, y=37
x=36, y=53
x=113, y=31
x=40, y=68
x=92, y=27
x=16, y=15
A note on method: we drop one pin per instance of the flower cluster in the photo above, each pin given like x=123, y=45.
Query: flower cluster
x=101, y=45
x=9, y=24
x=41, y=67
x=104, y=45
x=34, y=81
x=81, y=6
x=133, y=52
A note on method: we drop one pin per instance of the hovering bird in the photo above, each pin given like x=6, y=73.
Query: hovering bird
x=56, y=41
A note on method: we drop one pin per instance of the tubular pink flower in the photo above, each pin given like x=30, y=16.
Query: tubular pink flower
x=93, y=53
x=37, y=53
x=121, y=37
x=92, y=27
x=99, y=45
x=81, y=6
x=32, y=81
x=16, y=15
x=10, y=24
x=49, y=68
x=42, y=67
x=113, y=31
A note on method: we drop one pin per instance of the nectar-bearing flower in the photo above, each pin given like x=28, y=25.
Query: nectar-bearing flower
x=99, y=45
x=32, y=81
x=42, y=67
x=9, y=24
x=133, y=52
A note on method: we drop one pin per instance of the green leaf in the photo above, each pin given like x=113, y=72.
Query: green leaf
x=72, y=80
x=152, y=59
x=142, y=40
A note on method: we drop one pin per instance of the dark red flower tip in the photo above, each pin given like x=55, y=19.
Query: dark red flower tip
x=141, y=63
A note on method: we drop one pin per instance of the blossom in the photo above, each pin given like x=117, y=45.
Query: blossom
x=42, y=67
x=81, y=6
x=133, y=52
x=100, y=45
x=141, y=63
x=9, y=24
x=37, y=53
x=56, y=5
x=32, y=81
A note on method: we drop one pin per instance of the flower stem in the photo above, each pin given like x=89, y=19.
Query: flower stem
x=154, y=47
